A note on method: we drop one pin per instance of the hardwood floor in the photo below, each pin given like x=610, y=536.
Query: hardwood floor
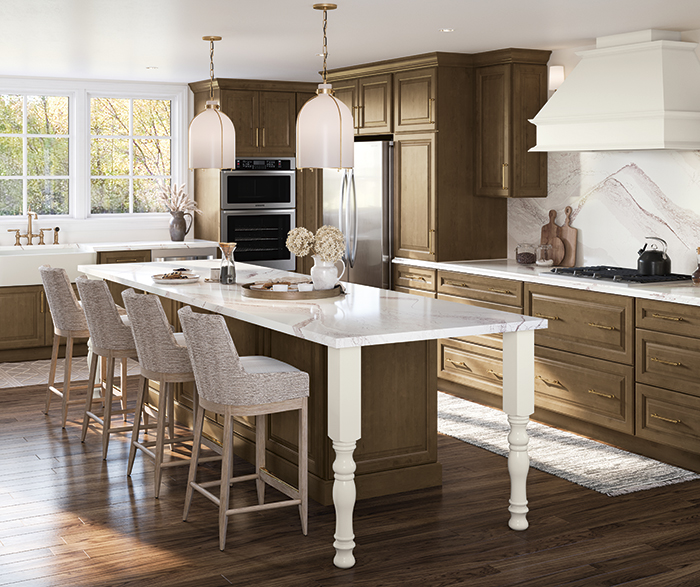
x=67, y=518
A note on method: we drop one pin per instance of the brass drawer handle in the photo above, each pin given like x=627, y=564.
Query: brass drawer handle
x=554, y=382
x=504, y=167
x=665, y=419
x=42, y=310
x=671, y=363
x=410, y=276
x=601, y=326
x=502, y=291
x=460, y=364
x=593, y=391
x=455, y=283
x=663, y=317
x=497, y=375
x=545, y=316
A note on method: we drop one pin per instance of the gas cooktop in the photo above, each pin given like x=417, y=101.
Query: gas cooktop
x=616, y=274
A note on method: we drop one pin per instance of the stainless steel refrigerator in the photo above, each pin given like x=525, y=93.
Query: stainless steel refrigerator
x=359, y=202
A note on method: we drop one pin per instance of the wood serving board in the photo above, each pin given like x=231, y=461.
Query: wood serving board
x=551, y=236
x=268, y=294
x=569, y=236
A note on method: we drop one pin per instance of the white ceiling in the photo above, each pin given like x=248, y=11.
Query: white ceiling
x=279, y=39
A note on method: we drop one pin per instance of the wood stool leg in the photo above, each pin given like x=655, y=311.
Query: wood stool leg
x=88, y=398
x=67, y=365
x=171, y=411
x=304, y=465
x=226, y=470
x=196, y=447
x=160, y=433
x=140, y=400
x=52, y=371
x=260, y=434
x=122, y=382
x=107, y=413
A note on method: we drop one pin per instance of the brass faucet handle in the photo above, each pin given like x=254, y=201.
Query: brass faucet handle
x=17, y=235
x=41, y=234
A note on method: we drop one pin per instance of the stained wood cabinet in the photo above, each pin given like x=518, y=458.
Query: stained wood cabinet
x=511, y=88
x=25, y=317
x=370, y=101
x=265, y=122
x=121, y=257
x=415, y=100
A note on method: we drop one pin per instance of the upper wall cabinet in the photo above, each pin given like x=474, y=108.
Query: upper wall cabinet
x=370, y=101
x=511, y=88
x=415, y=100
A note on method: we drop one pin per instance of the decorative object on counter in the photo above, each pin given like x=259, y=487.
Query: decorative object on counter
x=550, y=236
x=695, y=276
x=329, y=246
x=569, y=235
x=266, y=290
x=176, y=278
x=544, y=256
x=325, y=134
x=525, y=254
x=300, y=241
x=212, y=136
x=179, y=204
x=227, y=274
x=651, y=260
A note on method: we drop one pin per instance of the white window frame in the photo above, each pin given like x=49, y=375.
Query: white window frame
x=79, y=225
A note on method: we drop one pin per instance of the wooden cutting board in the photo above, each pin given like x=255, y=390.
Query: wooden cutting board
x=569, y=236
x=551, y=236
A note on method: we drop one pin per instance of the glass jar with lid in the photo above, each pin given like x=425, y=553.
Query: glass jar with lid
x=544, y=256
x=525, y=254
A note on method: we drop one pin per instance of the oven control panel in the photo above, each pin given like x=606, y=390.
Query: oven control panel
x=284, y=164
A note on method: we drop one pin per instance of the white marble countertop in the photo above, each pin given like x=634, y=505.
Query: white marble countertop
x=146, y=245
x=680, y=293
x=364, y=316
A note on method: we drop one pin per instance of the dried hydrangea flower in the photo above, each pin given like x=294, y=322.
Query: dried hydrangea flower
x=329, y=243
x=299, y=241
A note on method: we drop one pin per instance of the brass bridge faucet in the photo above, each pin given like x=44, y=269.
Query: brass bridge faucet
x=29, y=235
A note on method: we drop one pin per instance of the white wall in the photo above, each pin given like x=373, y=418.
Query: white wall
x=618, y=198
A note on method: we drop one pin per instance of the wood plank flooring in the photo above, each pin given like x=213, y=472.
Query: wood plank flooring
x=68, y=518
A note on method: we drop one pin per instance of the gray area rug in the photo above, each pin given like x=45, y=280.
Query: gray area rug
x=588, y=463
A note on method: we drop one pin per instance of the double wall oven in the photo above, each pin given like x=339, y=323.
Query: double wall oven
x=258, y=200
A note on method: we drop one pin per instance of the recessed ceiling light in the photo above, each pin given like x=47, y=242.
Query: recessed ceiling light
x=151, y=67
x=447, y=30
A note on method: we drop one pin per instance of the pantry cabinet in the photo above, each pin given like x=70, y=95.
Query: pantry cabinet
x=511, y=88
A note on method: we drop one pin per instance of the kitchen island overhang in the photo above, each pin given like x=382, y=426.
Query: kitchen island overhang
x=357, y=332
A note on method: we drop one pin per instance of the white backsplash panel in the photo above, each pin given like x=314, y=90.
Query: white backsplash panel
x=618, y=198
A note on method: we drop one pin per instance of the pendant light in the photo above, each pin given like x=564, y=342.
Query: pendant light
x=325, y=136
x=212, y=136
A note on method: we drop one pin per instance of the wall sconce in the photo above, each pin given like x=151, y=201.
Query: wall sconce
x=556, y=77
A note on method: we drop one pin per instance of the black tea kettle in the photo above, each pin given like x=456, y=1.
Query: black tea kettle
x=651, y=260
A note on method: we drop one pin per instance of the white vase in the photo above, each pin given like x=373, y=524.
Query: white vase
x=324, y=274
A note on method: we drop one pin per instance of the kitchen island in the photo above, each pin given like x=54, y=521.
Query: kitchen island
x=374, y=342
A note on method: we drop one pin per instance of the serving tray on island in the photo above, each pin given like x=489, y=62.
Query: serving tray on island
x=268, y=294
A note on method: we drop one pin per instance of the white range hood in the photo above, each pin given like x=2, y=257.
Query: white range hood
x=635, y=91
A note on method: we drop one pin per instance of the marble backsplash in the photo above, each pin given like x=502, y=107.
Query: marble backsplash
x=618, y=199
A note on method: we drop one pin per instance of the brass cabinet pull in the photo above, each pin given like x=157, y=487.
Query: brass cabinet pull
x=42, y=310
x=601, y=394
x=430, y=108
x=663, y=317
x=263, y=137
x=671, y=363
x=256, y=137
x=460, y=364
x=415, y=277
x=501, y=291
x=498, y=375
x=601, y=326
x=431, y=237
x=455, y=283
x=554, y=382
x=504, y=175
x=665, y=419
x=545, y=316
x=356, y=116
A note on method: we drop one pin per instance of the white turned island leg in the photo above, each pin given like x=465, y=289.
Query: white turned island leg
x=518, y=404
x=344, y=417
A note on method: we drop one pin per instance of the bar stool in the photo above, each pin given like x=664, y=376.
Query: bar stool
x=242, y=386
x=163, y=358
x=69, y=322
x=111, y=339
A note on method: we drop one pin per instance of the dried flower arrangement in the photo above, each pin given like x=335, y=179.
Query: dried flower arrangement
x=328, y=242
x=176, y=199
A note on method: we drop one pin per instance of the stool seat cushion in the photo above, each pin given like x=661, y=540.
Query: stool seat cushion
x=260, y=364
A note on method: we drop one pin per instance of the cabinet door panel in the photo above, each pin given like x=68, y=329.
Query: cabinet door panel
x=668, y=417
x=241, y=106
x=23, y=312
x=492, y=124
x=346, y=92
x=414, y=211
x=414, y=100
x=375, y=104
x=277, y=123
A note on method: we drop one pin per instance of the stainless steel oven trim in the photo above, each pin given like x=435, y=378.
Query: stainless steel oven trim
x=287, y=264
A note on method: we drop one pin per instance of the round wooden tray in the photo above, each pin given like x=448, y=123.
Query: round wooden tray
x=268, y=294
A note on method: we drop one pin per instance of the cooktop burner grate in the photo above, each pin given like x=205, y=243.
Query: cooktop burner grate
x=620, y=274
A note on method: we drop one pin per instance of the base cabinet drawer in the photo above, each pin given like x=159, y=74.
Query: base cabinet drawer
x=593, y=390
x=668, y=417
x=502, y=292
x=668, y=317
x=471, y=365
x=405, y=276
x=668, y=360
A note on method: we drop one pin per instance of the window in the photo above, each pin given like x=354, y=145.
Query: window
x=34, y=154
x=130, y=145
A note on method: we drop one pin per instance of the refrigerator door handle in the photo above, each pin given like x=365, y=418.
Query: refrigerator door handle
x=341, y=207
x=353, y=214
